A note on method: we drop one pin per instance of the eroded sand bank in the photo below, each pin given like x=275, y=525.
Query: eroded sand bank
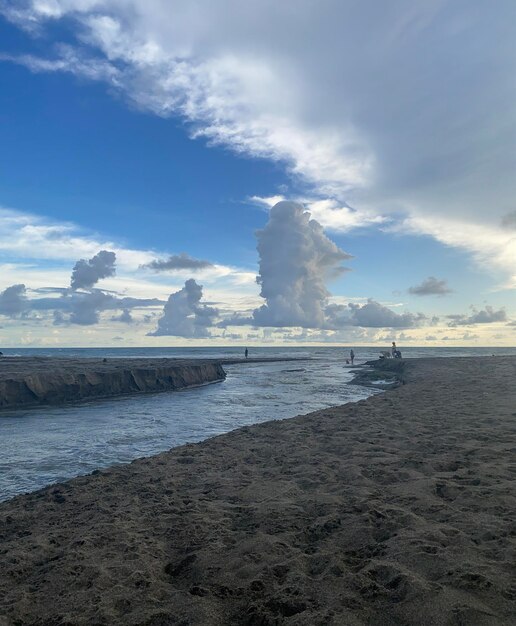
x=396, y=510
x=30, y=381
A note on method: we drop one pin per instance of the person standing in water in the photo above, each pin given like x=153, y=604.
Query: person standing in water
x=246, y=353
x=352, y=356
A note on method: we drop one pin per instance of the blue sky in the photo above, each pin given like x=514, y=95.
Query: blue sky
x=155, y=131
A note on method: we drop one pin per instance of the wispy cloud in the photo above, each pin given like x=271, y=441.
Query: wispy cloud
x=27, y=237
x=372, y=129
x=331, y=214
x=69, y=60
x=492, y=248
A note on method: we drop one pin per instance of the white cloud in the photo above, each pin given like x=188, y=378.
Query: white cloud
x=70, y=306
x=124, y=317
x=181, y=261
x=431, y=286
x=488, y=315
x=66, y=307
x=84, y=308
x=36, y=251
x=87, y=273
x=331, y=214
x=30, y=236
x=40, y=254
x=399, y=107
x=296, y=260
x=371, y=315
x=13, y=300
x=493, y=248
x=184, y=315
x=71, y=61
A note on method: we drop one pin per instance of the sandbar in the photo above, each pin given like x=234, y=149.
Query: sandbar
x=35, y=381
x=395, y=510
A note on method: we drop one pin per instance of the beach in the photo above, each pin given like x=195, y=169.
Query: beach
x=397, y=510
x=31, y=381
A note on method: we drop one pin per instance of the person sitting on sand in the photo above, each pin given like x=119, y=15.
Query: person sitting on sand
x=396, y=354
x=352, y=356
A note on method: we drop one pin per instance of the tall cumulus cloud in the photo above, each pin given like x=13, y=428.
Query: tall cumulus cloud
x=296, y=261
x=184, y=315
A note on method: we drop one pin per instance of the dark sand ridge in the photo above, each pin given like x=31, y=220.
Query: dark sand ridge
x=396, y=510
x=30, y=381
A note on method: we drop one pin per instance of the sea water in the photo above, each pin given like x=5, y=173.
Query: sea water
x=44, y=445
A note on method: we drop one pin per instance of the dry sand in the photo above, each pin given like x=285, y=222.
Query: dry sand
x=396, y=510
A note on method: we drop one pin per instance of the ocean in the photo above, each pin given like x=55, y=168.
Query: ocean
x=41, y=446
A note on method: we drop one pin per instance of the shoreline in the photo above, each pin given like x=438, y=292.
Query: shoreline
x=27, y=382
x=382, y=374
x=398, y=509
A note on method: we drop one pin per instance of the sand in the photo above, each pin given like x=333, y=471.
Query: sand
x=396, y=510
x=32, y=381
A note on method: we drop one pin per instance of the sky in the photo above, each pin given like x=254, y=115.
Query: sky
x=213, y=172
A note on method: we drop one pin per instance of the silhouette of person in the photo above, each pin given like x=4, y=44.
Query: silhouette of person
x=352, y=356
x=246, y=353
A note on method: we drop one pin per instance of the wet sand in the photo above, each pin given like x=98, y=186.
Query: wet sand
x=33, y=381
x=396, y=510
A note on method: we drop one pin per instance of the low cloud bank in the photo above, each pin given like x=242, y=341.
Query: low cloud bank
x=81, y=304
x=370, y=315
x=484, y=316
